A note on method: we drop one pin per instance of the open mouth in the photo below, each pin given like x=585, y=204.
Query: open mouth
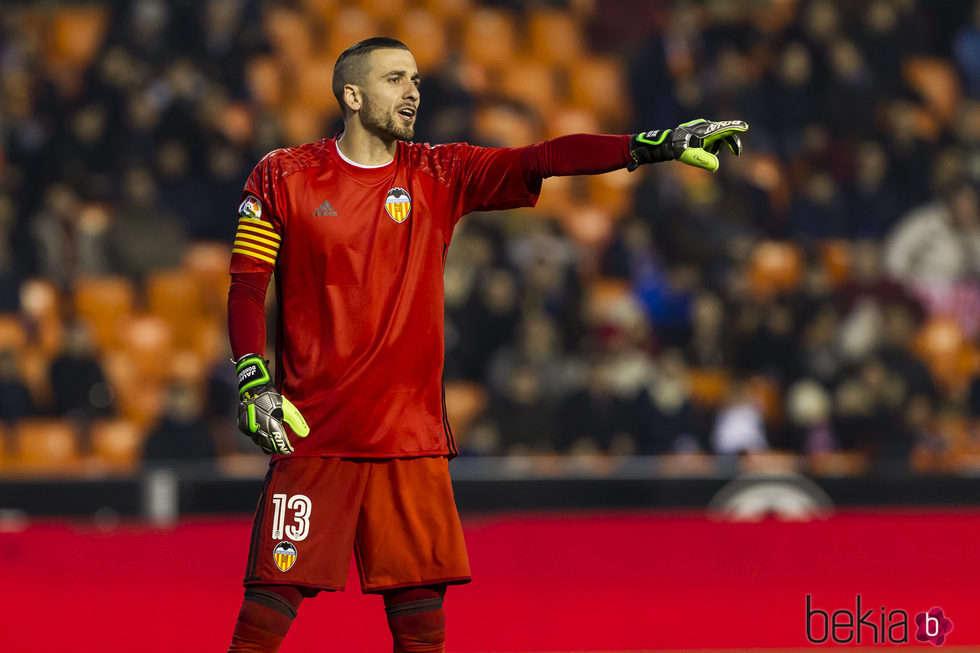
x=408, y=113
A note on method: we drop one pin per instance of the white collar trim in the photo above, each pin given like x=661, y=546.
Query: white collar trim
x=355, y=163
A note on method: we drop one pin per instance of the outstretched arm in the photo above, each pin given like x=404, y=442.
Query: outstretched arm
x=695, y=143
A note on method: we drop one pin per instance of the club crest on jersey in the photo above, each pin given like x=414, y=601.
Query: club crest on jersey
x=250, y=208
x=284, y=555
x=398, y=204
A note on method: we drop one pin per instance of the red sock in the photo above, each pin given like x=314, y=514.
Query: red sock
x=265, y=617
x=416, y=619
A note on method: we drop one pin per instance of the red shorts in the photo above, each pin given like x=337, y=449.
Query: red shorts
x=398, y=516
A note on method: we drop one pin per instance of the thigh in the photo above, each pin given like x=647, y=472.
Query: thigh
x=304, y=526
x=408, y=532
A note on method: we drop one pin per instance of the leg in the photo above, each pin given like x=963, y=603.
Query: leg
x=416, y=619
x=265, y=617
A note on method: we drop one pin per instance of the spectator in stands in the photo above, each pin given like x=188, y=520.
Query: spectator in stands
x=708, y=340
x=537, y=346
x=871, y=196
x=182, y=433
x=11, y=274
x=16, y=401
x=69, y=236
x=78, y=384
x=668, y=421
x=938, y=242
x=145, y=234
x=966, y=50
x=809, y=411
x=598, y=417
x=524, y=419
x=739, y=427
x=489, y=321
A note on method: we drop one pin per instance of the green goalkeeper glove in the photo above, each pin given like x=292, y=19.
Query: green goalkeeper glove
x=695, y=143
x=263, y=411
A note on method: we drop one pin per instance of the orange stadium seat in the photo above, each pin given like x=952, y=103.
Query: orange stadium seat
x=384, y=10
x=448, y=9
x=13, y=335
x=556, y=196
x=347, y=27
x=264, y=81
x=940, y=338
x=489, y=38
x=40, y=301
x=598, y=84
x=775, y=267
x=708, y=386
x=837, y=463
x=554, y=37
x=465, y=401
x=289, y=35
x=314, y=79
x=174, y=295
x=427, y=36
x=138, y=399
x=102, y=302
x=604, y=294
x=300, y=124
x=532, y=83
x=209, y=339
x=76, y=33
x=320, y=10
x=836, y=260
x=189, y=367
x=47, y=445
x=149, y=341
x=765, y=393
x=938, y=82
x=117, y=443
x=613, y=191
x=503, y=125
x=209, y=264
x=33, y=363
x=588, y=224
x=571, y=120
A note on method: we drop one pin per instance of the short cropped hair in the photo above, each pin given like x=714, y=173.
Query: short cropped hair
x=351, y=64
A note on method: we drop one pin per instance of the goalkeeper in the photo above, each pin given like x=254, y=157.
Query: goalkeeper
x=356, y=229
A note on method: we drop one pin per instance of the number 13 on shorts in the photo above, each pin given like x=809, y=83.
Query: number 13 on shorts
x=301, y=506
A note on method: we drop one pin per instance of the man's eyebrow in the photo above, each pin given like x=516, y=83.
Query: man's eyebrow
x=402, y=73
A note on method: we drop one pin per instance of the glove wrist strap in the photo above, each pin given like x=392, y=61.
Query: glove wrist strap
x=252, y=371
x=650, y=147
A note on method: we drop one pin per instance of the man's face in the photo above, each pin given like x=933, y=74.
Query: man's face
x=390, y=94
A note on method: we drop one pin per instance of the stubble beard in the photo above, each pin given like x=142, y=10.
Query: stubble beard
x=382, y=124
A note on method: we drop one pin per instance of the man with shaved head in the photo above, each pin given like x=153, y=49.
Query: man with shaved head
x=356, y=228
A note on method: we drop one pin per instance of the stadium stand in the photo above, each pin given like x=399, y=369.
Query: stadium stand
x=785, y=292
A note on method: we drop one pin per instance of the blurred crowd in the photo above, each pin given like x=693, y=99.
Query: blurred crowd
x=821, y=294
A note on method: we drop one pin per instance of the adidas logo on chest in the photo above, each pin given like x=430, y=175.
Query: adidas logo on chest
x=324, y=209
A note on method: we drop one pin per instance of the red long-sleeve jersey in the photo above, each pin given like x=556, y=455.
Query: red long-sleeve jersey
x=358, y=254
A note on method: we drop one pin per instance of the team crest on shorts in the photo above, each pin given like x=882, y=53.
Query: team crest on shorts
x=285, y=555
x=398, y=204
x=250, y=208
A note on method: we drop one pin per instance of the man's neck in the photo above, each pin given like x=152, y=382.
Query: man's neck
x=362, y=147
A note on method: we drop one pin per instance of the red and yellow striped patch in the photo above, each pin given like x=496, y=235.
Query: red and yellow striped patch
x=256, y=238
x=285, y=555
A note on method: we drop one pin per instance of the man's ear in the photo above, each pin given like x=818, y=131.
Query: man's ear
x=352, y=97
